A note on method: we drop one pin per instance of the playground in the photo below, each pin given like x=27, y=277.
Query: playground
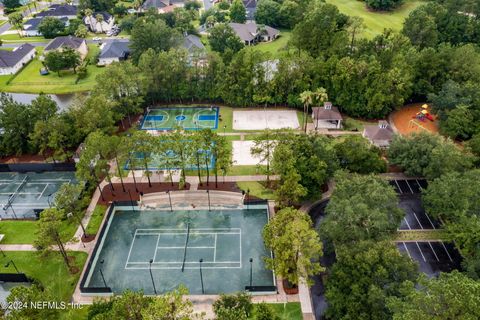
x=415, y=118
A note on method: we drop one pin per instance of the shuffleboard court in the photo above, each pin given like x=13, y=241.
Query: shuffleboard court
x=188, y=118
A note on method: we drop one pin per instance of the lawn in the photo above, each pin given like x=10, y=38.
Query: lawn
x=96, y=219
x=257, y=189
x=14, y=37
x=29, y=80
x=24, y=232
x=53, y=273
x=244, y=171
x=376, y=22
x=275, y=47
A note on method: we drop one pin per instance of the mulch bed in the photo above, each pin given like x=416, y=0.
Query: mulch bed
x=119, y=195
x=222, y=186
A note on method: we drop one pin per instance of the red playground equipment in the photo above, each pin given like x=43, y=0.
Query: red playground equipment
x=423, y=114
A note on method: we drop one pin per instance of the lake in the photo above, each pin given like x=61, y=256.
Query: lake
x=63, y=100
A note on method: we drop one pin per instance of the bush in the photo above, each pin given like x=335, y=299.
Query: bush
x=233, y=307
x=264, y=312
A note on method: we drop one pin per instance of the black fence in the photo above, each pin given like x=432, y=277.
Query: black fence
x=36, y=167
x=14, y=277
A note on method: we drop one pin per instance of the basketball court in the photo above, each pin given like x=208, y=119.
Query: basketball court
x=188, y=118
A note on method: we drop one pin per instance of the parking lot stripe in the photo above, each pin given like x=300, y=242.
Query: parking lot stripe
x=448, y=254
x=421, y=252
x=408, y=252
x=429, y=220
x=398, y=186
x=417, y=219
x=408, y=184
x=406, y=221
x=433, y=251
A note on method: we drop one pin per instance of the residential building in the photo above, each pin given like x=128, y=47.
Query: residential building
x=113, y=51
x=380, y=135
x=193, y=44
x=103, y=26
x=251, y=8
x=251, y=33
x=12, y=61
x=162, y=6
x=30, y=28
x=77, y=44
x=58, y=11
x=326, y=117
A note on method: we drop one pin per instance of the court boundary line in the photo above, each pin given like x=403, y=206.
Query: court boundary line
x=215, y=127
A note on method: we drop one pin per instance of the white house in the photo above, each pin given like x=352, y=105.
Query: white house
x=251, y=33
x=326, y=117
x=30, y=28
x=103, y=26
x=113, y=51
x=12, y=61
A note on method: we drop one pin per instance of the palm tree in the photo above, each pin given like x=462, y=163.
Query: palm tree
x=99, y=19
x=306, y=97
x=88, y=14
x=136, y=5
x=320, y=96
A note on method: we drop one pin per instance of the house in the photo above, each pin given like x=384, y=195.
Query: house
x=103, y=26
x=379, y=135
x=193, y=44
x=59, y=11
x=161, y=6
x=12, y=61
x=30, y=28
x=251, y=8
x=2, y=9
x=113, y=51
x=251, y=33
x=326, y=117
x=77, y=44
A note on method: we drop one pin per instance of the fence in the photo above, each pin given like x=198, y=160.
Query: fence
x=36, y=167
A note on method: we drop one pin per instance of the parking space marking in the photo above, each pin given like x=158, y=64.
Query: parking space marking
x=406, y=221
x=398, y=186
x=408, y=184
x=448, y=254
x=408, y=252
x=430, y=244
x=421, y=252
x=429, y=220
x=417, y=219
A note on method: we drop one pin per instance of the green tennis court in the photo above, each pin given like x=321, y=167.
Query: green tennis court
x=174, y=246
x=189, y=118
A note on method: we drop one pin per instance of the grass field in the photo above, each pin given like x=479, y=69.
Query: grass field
x=14, y=37
x=376, y=22
x=257, y=189
x=24, y=232
x=275, y=47
x=29, y=80
x=96, y=219
x=53, y=273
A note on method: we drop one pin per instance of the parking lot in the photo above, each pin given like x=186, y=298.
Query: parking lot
x=411, y=203
x=432, y=257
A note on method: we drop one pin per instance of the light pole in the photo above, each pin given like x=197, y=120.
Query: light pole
x=131, y=200
x=70, y=215
x=48, y=200
x=224, y=128
x=248, y=197
x=201, y=276
x=251, y=271
x=208, y=194
x=101, y=273
x=13, y=264
x=151, y=275
x=170, y=200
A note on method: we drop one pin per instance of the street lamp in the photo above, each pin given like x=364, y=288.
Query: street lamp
x=48, y=200
x=101, y=273
x=201, y=276
x=70, y=215
x=170, y=200
x=10, y=205
x=13, y=264
x=131, y=200
x=151, y=276
x=208, y=194
x=251, y=271
x=248, y=197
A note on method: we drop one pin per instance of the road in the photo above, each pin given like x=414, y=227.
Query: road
x=25, y=13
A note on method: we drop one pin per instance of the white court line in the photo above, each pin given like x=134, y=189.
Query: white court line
x=448, y=254
x=398, y=186
x=180, y=262
x=408, y=224
x=240, y=250
x=430, y=220
x=188, y=247
x=181, y=229
x=417, y=219
x=156, y=246
x=183, y=233
x=408, y=184
x=46, y=186
x=421, y=252
x=433, y=251
x=178, y=268
x=8, y=193
x=405, y=246
x=215, y=249
x=130, y=251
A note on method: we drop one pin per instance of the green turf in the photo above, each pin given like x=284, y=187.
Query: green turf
x=51, y=271
x=275, y=47
x=14, y=37
x=244, y=171
x=186, y=117
x=257, y=189
x=376, y=22
x=287, y=311
x=96, y=219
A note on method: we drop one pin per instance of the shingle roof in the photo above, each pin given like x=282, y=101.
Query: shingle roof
x=33, y=24
x=321, y=113
x=59, y=10
x=11, y=58
x=249, y=31
x=192, y=42
x=115, y=49
x=158, y=4
x=68, y=41
x=378, y=133
x=250, y=3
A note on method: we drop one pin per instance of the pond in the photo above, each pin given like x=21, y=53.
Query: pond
x=63, y=100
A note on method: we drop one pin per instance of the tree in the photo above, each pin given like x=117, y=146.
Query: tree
x=15, y=129
x=295, y=245
x=154, y=35
x=171, y=306
x=26, y=296
x=268, y=13
x=355, y=27
x=358, y=155
x=235, y=306
x=224, y=40
x=99, y=19
x=383, y=4
x=48, y=233
x=237, y=12
x=306, y=97
x=263, y=146
x=364, y=277
x=450, y=296
x=16, y=20
x=11, y=4
x=132, y=305
x=143, y=143
x=68, y=199
x=222, y=155
x=474, y=145
x=50, y=27
x=421, y=28
x=459, y=123
x=290, y=190
x=361, y=208
x=58, y=60
x=81, y=31
x=264, y=312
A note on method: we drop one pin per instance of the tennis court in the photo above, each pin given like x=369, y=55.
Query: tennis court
x=174, y=246
x=22, y=195
x=189, y=118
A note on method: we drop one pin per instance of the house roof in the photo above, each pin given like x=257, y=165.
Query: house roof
x=33, y=23
x=158, y=4
x=59, y=10
x=321, y=113
x=115, y=49
x=11, y=58
x=68, y=41
x=106, y=16
x=378, y=133
x=192, y=42
x=249, y=31
x=250, y=3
